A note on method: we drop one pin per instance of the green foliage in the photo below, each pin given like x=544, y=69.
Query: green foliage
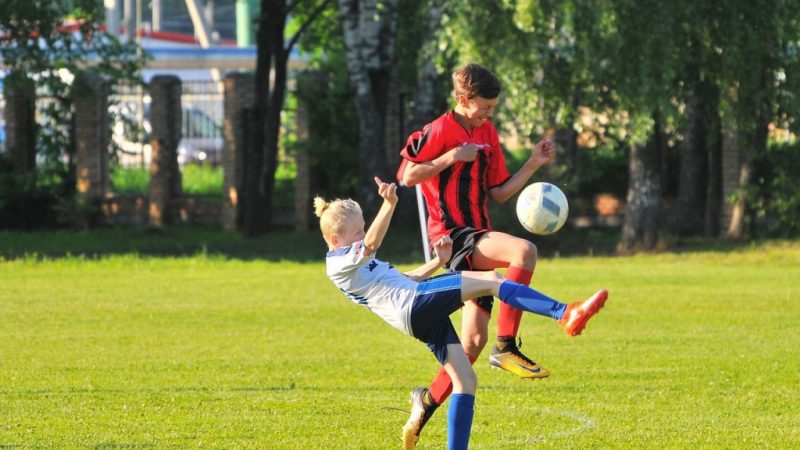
x=202, y=180
x=604, y=170
x=202, y=351
x=774, y=195
x=550, y=56
x=58, y=44
x=23, y=204
x=333, y=125
x=129, y=180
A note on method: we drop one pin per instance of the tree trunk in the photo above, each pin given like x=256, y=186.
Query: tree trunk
x=692, y=180
x=371, y=155
x=753, y=142
x=567, y=139
x=424, y=110
x=714, y=197
x=640, y=230
x=369, y=32
x=261, y=158
x=692, y=187
x=272, y=126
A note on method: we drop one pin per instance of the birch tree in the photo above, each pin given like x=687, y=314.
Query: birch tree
x=369, y=28
x=424, y=109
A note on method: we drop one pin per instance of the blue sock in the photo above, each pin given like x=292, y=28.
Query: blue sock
x=522, y=297
x=459, y=421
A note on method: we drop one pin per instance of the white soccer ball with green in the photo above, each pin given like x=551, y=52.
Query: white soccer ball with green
x=542, y=208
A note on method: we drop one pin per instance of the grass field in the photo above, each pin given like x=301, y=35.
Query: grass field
x=134, y=349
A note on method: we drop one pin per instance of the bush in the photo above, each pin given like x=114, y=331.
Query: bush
x=604, y=170
x=774, y=195
x=24, y=203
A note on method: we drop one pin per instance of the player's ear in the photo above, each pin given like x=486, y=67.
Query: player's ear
x=335, y=240
x=462, y=100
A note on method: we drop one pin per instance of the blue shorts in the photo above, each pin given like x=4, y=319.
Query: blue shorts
x=436, y=299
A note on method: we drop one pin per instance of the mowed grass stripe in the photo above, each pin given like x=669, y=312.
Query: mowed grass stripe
x=692, y=350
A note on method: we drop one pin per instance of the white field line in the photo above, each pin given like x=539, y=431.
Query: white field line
x=583, y=423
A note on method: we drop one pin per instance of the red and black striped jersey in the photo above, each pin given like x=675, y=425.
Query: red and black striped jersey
x=457, y=196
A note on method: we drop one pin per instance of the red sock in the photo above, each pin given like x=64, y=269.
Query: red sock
x=508, y=318
x=442, y=386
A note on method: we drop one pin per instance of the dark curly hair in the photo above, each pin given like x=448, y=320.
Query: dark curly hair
x=473, y=81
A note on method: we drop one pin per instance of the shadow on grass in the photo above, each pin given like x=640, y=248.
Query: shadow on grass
x=400, y=246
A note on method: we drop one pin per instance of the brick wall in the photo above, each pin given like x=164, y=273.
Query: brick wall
x=135, y=210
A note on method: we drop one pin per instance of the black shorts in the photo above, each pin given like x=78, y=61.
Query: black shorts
x=464, y=241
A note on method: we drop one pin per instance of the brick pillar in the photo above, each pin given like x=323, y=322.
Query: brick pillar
x=237, y=103
x=92, y=138
x=20, y=95
x=165, y=175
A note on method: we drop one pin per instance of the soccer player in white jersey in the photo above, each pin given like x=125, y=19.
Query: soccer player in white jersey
x=420, y=306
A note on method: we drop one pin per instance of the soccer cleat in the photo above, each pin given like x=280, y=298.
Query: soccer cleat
x=578, y=314
x=510, y=359
x=420, y=413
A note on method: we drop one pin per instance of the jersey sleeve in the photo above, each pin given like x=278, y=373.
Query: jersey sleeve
x=352, y=257
x=424, y=145
x=498, y=172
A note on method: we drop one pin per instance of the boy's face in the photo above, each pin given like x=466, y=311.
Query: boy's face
x=352, y=231
x=476, y=110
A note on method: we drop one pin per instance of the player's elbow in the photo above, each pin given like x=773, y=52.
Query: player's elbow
x=408, y=178
x=497, y=195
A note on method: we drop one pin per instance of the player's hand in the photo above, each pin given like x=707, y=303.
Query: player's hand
x=443, y=248
x=543, y=152
x=467, y=152
x=387, y=190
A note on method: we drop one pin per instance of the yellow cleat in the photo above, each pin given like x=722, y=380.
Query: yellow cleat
x=420, y=413
x=506, y=355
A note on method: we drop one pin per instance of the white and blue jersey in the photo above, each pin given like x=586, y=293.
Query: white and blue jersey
x=373, y=283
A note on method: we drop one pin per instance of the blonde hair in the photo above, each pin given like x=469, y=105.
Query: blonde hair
x=332, y=215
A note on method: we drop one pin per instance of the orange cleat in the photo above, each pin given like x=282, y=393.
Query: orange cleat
x=578, y=314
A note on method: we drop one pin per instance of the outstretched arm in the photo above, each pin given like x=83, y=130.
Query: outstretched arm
x=542, y=153
x=377, y=230
x=443, y=249
x=416, y=173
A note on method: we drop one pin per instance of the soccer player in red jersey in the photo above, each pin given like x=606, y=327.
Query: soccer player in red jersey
x=458, y=161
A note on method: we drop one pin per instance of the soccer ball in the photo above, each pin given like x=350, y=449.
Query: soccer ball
x=542, y=208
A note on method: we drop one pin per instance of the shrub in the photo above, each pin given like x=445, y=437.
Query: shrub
x=774, y=194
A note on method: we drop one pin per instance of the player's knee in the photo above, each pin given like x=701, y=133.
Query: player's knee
x=474, y=344
x=529, y=253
